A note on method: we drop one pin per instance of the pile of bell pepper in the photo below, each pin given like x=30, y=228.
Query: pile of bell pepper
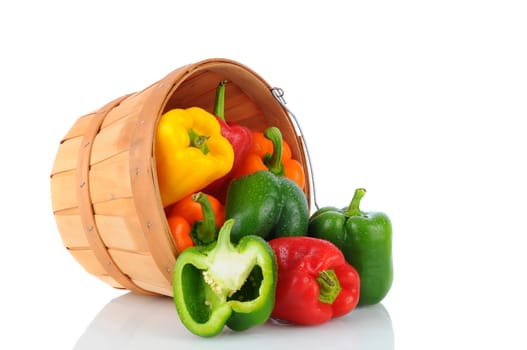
x=248, y=248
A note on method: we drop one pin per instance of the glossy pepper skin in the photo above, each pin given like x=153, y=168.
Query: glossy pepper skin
x=225, y=284
x=315, y=283
x=240, y=137
x=266, y=205
x=269, y=151
x=190, y=152
x=365, y=238
x=194, y=220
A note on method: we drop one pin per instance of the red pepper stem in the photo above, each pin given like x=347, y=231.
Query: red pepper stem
x=219, y=103
x=329, y=286
x=205, y=230
x=274, y=161
x=354, y=207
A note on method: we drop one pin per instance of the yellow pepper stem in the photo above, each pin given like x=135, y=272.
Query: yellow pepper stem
x=198, y=141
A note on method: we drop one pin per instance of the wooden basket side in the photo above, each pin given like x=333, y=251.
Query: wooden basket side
x=88, y=260
x=72, y=205
x=143, y=179
x=86, y=182
x=115, y=170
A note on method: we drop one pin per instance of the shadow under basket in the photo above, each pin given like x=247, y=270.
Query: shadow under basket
x=104, y=190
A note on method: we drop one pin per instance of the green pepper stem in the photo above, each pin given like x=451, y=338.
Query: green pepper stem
x=206, y=229
x=274, y=161
x=354, y=207
x=219, y=103
x=329, y=286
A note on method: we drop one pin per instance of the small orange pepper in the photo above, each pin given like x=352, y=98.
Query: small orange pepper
x=269, y=151
x=195, y=219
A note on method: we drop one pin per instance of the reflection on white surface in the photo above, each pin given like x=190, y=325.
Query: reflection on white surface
x=141, y=322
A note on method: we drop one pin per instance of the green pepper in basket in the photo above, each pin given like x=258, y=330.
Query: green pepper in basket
x=225, y=284
x=265, y=203
x=365, y=238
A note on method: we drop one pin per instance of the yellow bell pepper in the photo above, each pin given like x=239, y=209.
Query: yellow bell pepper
x=190, y=153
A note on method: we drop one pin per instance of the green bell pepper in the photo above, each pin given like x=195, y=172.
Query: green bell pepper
x=365, y=238
x=225, y=284
x=266, y=205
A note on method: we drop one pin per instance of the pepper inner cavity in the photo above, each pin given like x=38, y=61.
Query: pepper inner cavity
x=251, y=288
x=228, y=274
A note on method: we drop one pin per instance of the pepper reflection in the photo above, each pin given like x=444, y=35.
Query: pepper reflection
x=151, y=322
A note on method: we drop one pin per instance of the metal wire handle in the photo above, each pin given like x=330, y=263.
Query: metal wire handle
x=278, y=94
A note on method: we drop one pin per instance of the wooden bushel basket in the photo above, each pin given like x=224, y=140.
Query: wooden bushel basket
x=104, y=190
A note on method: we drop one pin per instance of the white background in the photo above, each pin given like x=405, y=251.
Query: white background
x=420, y=102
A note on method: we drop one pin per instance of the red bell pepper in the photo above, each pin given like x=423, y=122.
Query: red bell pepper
x=240, y=138
x=315, y=283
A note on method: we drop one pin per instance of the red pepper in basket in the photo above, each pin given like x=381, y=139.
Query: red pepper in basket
x=240, y=138
x=315, y=283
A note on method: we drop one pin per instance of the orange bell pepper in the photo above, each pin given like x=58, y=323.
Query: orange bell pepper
x=195, y=219
x=270, y=152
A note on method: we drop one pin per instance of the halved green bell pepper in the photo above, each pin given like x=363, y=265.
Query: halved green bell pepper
x=225, y=284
